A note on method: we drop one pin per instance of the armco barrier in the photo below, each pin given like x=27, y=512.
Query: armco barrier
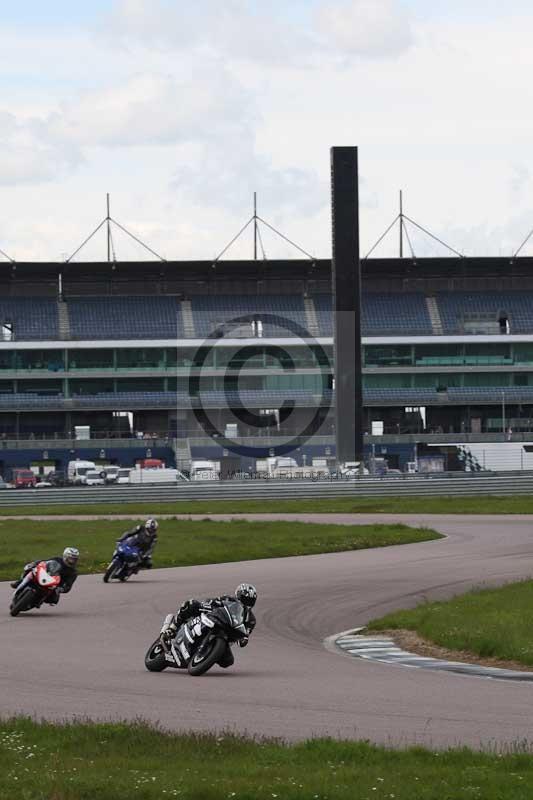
x=492, y=484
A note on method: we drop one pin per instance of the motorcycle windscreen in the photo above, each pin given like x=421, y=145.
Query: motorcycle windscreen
x=53, y=568
x=235, y=611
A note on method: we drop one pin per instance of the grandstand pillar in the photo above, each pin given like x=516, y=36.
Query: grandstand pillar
x=346, y=287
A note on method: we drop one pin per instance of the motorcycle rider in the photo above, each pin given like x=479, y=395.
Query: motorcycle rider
x=67, y=570
x=245, y=593
x=144, y=538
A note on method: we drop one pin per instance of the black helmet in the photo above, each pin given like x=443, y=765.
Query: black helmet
x=247, y=594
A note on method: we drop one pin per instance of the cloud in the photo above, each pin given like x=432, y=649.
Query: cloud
x=28, y=154
x=519, y=180
x=366, y=28
x=229, y=28
x=154, y=109
x=226, y=175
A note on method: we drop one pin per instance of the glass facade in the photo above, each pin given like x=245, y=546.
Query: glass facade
x=263, y=367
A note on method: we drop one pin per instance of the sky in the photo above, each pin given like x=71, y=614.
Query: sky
x=182, y=110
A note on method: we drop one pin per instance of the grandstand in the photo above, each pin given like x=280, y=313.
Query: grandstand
x=448, y=355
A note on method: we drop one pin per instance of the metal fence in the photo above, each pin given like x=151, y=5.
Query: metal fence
x=416, y=486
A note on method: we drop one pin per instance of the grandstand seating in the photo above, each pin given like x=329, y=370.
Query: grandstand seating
x=160, y=317
x=151, y=317
x=262, y=399
x=518, y=306
x=213, y=311
x=381, y=314
x=32, y=318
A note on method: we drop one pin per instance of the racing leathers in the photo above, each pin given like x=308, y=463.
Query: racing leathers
x=144, y=542
x=68, y=576
x=193, y=607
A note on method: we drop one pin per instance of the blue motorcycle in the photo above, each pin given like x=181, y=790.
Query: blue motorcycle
x=125, y=562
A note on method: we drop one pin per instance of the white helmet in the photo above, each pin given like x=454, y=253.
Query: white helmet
x=71, y=556
x=151, y=526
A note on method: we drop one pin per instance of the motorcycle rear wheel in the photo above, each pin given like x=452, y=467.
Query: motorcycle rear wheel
x=155, y=660
x=20, y=603
x=200, y=665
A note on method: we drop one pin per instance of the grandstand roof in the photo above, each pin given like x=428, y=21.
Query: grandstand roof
x=174, y=277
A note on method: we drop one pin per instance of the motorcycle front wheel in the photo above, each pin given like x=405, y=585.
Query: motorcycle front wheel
x=155, y=660
x=21, y=603
x=110, y=571
x=204, y=659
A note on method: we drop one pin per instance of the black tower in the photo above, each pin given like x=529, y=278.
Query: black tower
x=346, y=279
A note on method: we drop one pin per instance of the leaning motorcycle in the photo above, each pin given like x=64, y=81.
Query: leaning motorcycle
x=125, y=562
x=40, y=583
x=201, y=642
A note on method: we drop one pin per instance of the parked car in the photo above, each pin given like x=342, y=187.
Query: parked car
x=43, y=485
x=94, y=477
x=23, y=479
x=4, y=485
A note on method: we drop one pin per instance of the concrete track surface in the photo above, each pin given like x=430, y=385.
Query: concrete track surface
x=85, y=657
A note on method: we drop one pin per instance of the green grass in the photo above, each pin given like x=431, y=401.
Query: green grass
x=519, y=504
x=106, y=762
x=490, y=622
x=187, y=542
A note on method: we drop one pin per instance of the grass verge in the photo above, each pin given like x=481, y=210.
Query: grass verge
x=106, y=762
x=491, y=623
x=188, y=542
x=517, y=504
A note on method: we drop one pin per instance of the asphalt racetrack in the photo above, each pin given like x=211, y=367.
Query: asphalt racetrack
x=85, y=657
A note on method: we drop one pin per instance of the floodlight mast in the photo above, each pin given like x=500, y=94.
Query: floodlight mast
x=401, y=224
x=255, y=226
x=346, y=287
x=108, y=221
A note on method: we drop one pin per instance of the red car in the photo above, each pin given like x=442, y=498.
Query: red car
x=23, y=479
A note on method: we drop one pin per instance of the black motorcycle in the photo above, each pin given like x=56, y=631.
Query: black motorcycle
x=201, y=642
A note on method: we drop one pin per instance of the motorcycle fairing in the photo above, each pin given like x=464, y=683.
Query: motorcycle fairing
x=46, y=574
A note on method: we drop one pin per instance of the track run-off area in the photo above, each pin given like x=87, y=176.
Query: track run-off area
x=84, y=659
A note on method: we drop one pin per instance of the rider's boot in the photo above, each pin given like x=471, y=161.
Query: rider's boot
x=15, y=584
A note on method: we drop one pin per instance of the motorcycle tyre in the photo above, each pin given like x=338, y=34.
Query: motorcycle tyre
x=110, y=571
x=20, y=603
x=157, y=664
x=215, y=653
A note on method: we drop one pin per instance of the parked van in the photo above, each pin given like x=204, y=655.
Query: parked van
x=77, y=470
x=111, y=473
x=123, y=475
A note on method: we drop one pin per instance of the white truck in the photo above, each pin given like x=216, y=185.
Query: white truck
x=145, y=476
x=353, y=469
x=77, y=471
x=203, y=470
